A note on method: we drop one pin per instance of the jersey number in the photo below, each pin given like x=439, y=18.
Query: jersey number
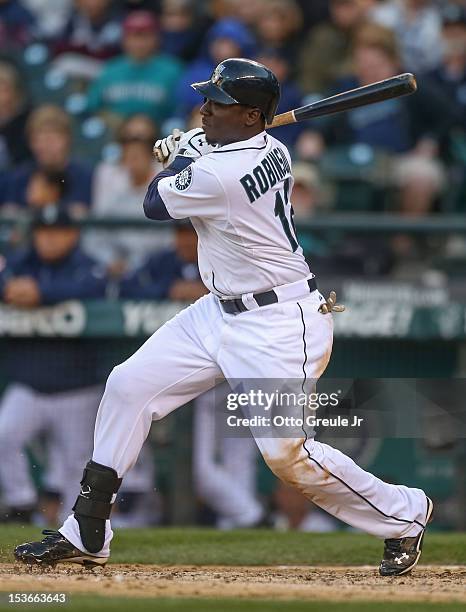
x=280, y=203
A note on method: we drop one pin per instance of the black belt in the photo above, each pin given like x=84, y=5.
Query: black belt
x=235, y=306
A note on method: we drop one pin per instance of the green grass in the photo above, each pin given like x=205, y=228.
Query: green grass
x=173, y=546
x=86, y=602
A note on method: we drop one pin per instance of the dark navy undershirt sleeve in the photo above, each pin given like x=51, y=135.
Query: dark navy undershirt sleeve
x=154, y=207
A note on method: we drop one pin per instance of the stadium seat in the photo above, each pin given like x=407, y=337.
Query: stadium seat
x=358, y=172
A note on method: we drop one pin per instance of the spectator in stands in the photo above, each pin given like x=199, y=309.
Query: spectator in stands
x=290, y=97
x=16, y=24
x=325, y=53
x=170, y=275
x=279, y=27
x=91, y=35
x=54, y=390
x=13, y=116
x=118, y=191
x=410, y=129
x=314, y=12
x=450, y=76
x=140, y=81
x=194, y=119
x=182, y=29
x=219, y=9
x=49, y=136
x=140, y=5
x=307, y=196
x=50, y=16
x=417, y=25
x=249, y=12
x=226, y=38
x=45, y=187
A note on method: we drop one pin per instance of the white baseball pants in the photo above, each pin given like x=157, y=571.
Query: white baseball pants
x=202, y=343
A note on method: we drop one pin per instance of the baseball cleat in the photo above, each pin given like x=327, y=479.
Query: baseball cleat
x=55, y=548
x=402, y=554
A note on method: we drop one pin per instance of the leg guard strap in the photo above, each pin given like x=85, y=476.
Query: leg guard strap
x=93, y=506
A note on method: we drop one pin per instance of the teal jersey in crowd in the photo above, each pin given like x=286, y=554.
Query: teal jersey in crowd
x=127, y=87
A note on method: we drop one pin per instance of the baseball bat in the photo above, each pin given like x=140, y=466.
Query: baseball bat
x=394, y=87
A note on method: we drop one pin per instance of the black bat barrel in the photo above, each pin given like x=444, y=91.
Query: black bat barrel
x=395, y=87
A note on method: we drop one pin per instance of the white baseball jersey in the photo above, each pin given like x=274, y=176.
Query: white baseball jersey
x=238, y=199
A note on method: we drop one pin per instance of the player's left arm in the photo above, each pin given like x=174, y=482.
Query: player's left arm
x=179, y=150
x=154, y=206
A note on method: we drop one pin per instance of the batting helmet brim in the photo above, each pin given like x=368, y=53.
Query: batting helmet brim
x=210, y=91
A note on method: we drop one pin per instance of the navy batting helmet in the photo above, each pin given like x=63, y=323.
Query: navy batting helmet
x=243, y=81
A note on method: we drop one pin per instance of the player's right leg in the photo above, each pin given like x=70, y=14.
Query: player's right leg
x=299, y=340
x=172, y=367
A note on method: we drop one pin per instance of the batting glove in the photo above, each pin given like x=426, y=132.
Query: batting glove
x=191, y=144
x=330, y=304
x=165, y=148
x=194, y=144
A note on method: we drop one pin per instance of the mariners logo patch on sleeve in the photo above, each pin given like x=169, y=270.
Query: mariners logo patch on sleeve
x=183, y=179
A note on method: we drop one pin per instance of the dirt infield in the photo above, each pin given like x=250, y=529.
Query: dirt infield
x=426, y=583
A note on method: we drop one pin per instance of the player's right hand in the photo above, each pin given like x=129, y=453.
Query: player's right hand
x=165, y=148
x=330, y=304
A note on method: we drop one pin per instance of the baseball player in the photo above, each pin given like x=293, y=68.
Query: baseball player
x=264, y=319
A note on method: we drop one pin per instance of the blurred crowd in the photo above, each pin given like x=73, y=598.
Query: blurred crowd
x=87, y=86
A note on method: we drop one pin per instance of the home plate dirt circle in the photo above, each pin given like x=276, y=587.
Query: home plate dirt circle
x=425, y=583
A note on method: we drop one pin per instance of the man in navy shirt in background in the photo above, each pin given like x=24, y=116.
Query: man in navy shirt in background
x=168, y=275
x=55, y=385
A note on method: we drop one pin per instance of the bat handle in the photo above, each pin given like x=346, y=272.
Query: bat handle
x=283, y=119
